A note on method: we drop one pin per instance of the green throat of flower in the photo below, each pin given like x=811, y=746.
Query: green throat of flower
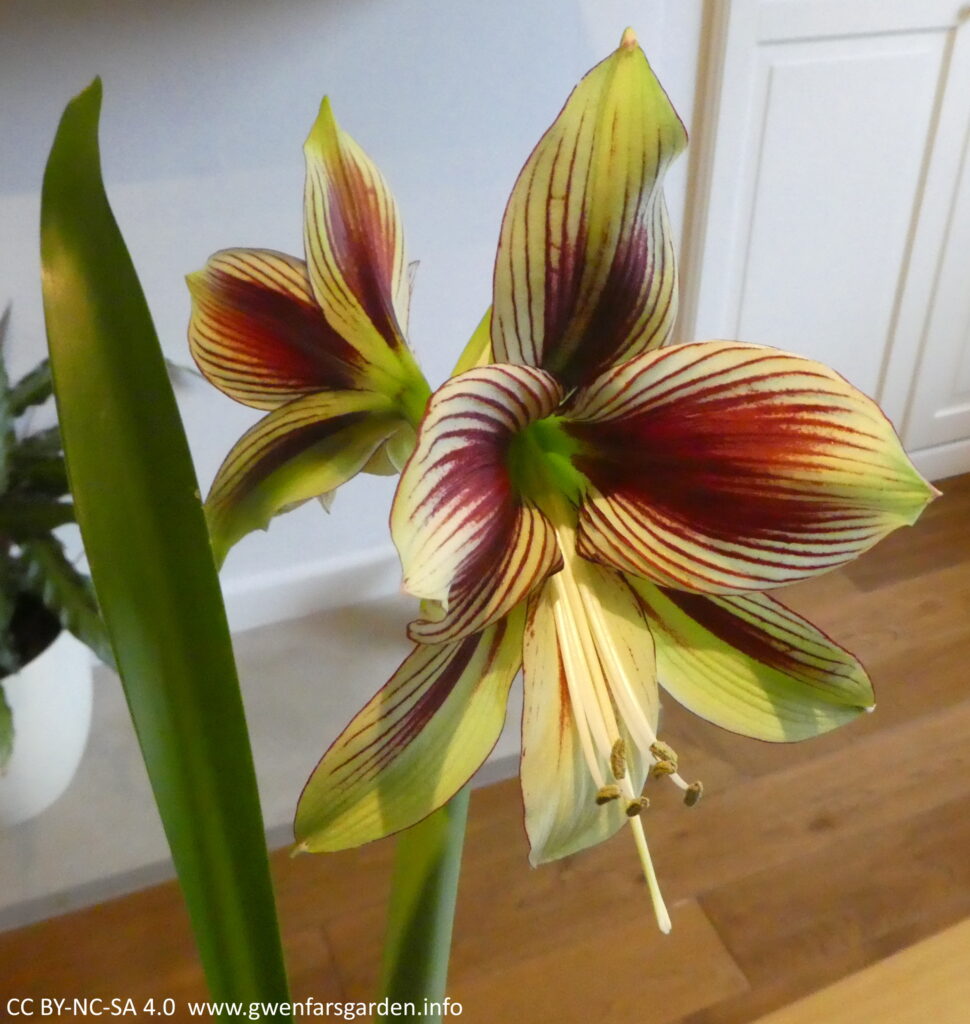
x=540, y=463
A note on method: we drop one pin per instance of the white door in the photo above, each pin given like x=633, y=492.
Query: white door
x=837, y=215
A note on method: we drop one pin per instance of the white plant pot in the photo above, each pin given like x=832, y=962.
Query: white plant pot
x=51, y=703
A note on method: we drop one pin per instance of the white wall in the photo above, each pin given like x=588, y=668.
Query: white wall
x=206, y=108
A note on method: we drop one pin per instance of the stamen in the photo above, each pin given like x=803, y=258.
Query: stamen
x=662, y=768
x=618, y=759
x=624, y=690
x=634, y=807
x=678, y=780
x=663, y=751
x=693, y=793
x=580, y=717
x=607, y=793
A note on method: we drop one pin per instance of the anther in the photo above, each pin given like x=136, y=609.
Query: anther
x=618, y=759
x=607, y=793
x=663, y=751
x=634, y=807
x=693, y=793
x=661, y=768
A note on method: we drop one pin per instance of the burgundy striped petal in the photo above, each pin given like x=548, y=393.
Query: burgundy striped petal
x=258, y=334
x=751, y=665
x=302, y=450
x=585, y=275
x=467, y=540
x=355, y=245
x=722, y=467
x=416, y=743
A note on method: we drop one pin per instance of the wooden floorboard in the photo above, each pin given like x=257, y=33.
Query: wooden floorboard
x=802, y=865
x=926, y=982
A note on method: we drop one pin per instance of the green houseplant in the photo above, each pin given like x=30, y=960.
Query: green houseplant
x=42, y=596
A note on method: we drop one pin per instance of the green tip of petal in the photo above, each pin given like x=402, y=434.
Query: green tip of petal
x=629, y=40
x=324, y=128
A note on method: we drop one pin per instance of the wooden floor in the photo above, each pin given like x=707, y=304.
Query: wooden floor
x=801, y=865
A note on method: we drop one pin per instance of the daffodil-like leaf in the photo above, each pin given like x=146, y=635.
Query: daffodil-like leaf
x=302, y=450
x=721, y=467
x=585, y=274
x=467, y=540
x=751, y=665
x=416, y=743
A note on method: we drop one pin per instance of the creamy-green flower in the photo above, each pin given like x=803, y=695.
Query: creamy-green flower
x=320, y=343
x=606, y=513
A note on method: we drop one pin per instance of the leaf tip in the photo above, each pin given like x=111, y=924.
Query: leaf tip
x=628, y=40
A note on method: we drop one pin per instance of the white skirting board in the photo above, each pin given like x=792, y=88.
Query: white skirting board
x=943, y=460
x=19, y=914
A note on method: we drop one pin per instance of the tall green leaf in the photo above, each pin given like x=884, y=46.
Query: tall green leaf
x=144, y=532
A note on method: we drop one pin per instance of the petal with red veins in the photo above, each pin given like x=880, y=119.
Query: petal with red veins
x=751, y=665
x=466, y=539
x=416, y=743
x=574, y=668
x=585, y=275
x=257, y=333
x=301, y=450
x=720, y=467
x=355, y=245
x=525, y=557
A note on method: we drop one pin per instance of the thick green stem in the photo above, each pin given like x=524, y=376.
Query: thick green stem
x=422, y=909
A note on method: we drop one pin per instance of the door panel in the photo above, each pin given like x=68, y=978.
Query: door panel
x=835, y=197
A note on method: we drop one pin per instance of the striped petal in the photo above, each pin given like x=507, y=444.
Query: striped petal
x=355, y=246
x=721, y=467
x=749, y=664
x=302, y=450
x=585, y=275
x=257, y=332
x=466, y=539
x=590, y=679
x=417, y=742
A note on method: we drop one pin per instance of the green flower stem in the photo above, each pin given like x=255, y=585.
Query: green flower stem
x=422, y=909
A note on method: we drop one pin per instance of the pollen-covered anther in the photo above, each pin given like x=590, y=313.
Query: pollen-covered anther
x=618, y=759
x=607, y=793
x=662, y=768
x=663, y=751
x=693, y=793
x=634, y=807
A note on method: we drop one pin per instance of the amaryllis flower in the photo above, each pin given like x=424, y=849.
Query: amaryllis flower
x=607, y=513
x=320, y=343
